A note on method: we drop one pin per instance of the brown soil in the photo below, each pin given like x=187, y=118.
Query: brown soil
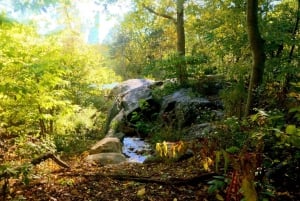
x=129, y=181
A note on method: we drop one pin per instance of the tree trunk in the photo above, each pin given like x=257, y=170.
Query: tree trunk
x=258, y=54
x=295, y=32
x=179, y=23
x=181, y=68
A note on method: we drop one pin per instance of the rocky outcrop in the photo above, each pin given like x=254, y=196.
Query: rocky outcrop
x=127, y=96
x=183, y=110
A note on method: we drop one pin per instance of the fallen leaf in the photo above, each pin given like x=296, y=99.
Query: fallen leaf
x=141, y=192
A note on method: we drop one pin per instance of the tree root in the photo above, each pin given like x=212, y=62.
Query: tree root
x=171, y=181
x=192, y=181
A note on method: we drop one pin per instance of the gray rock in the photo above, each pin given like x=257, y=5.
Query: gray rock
x=127, y=97
x=198, y=131
x=182, y=107
x=106, y=158
x=107, y=145
x=119, y=135
x=131, y=92
x=130, y=85
x=115, y=123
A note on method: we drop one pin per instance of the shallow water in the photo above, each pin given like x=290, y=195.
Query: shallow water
x=136, y=149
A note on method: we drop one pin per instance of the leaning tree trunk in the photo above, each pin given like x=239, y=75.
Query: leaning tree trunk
x=258, y=54
x=181, y=68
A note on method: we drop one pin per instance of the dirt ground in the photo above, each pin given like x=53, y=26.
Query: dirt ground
x=122, y=182
x=159, y=181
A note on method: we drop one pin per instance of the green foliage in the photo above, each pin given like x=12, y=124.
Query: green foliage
x=66, y=182
x=142, y=119
x=168, y=88
x=46, y=89
x=166, y=68
x=234, y=99
x=10, y=170
x=78, y=130
x=230, y=133
x=294, y=98
x=264, y=140
x=48, y=101
x=33, y=146
x=165, y=133
x=217, y=184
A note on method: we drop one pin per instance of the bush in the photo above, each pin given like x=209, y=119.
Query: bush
x=234, y=99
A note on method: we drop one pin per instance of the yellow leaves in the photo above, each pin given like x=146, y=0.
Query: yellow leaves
x=207, y=163
x=141, y=192
x=159, y=149
x=176, y=149
x=294, y=95
x=219, y=197
x=165, y=148
x=170, y=149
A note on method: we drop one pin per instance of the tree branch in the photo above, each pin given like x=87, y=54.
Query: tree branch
x=170, y=181
x=159, y=14
x=48, y=155
x=202, y=178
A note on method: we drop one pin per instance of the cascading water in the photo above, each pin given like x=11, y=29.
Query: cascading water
x=136, y=149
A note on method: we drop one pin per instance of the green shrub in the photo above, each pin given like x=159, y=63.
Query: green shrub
x=234, y=99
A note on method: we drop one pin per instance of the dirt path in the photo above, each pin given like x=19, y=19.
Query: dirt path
x=128, y=181
x=159, y=181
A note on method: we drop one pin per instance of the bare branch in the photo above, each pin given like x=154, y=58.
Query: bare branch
x=159, y=14
x=53, y=157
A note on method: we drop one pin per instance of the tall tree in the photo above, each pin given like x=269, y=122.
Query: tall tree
x=295, y=31
x=179, y=23
x=258, y=53
x=182, y=72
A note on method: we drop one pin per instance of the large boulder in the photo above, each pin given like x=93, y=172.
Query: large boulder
x=106, y=151
x=127, y=99
x=107, y=145
x=129, y=93
x=106, y=158
x=197, y=131
x=180, y=109
x=183, y=109
x=114, y=124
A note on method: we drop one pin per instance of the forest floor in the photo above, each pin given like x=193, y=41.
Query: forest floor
x=122, y=182
x=158, y=181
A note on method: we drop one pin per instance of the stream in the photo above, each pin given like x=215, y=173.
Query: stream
x=136, y=149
